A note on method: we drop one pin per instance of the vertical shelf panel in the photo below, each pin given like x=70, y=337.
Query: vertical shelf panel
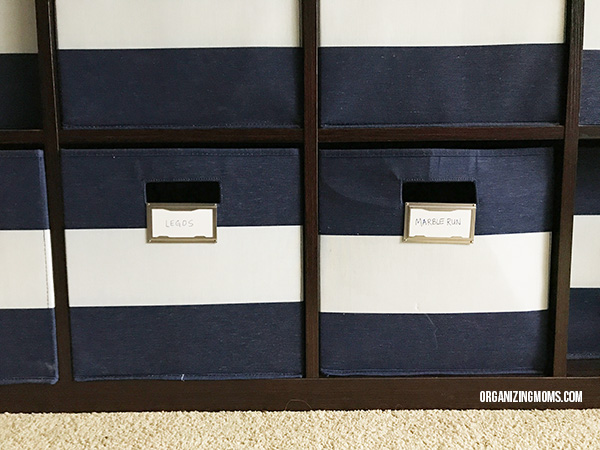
x=47, y=52
x=310, y=13
x=562, y=243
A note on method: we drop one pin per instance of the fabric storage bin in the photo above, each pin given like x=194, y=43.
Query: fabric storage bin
x=27, y=326
x=590, y=70
x=19, y=79
x=393, y=63
x=180, y=63
x=584, y=307
x=390, y=307
x=230, y=309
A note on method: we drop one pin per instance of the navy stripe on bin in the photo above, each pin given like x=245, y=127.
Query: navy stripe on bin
x=188, y=342
x=206, y=88
x=587, y=194
x=441, y=85
x=20, y=100
x=420, y=344
x=360, y=190
x=584, y=324
x=106, y=188
x=23, y=203
x=590, y=88
x=27, y=346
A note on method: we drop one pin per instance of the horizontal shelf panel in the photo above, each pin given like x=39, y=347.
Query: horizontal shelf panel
x=21, y=137
x=413, y=134
x=181, y=136
x=295, y=136
x=589, y=132
x=583, y=368
x=295, y=394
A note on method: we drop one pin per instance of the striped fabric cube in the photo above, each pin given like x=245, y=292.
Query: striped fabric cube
x=27, y=326
x=390, y=307
x=19, y=79
x=584, y=309
x=441, y=62
x=590, y=70
x=180, y=63
x=230, y=309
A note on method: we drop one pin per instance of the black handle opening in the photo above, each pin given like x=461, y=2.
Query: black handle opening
x=183, y=192
x=439, y=192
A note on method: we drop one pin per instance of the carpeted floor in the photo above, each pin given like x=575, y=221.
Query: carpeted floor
x=304, y=430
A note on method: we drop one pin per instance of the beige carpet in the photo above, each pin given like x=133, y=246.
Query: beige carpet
x=304, y=430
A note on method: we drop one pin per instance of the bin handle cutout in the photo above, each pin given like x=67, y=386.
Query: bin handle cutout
x=182, y=212
x=439, y=212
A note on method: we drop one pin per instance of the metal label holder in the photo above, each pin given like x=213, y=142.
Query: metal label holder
x=150, y=238
x=439, y=207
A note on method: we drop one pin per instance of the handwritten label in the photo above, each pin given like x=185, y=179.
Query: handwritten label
x=439, y=223
x=197, y=223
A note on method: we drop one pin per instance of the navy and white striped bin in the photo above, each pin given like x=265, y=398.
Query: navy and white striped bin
x=27, y=326
x=393, y=63
x=19, y=79
x=230, y=309
x=180, y=63
x=390, y=307
x=590, y=70
x=584, y=310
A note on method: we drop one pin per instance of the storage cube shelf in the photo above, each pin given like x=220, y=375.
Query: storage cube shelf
x=300, y=129
x=590, y=71
x=192, y=63
x=27, y=329
x=390, y=63
x=399, y=308
x=184, y=311
x=20, y=103
x=584, y=314
x=584, y=307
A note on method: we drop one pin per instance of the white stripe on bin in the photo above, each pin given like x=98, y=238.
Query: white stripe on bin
x=424, y=23
x=591, y=35
x=116, y=267
x=17, y=26
x=382, y=275
x=118, y=24
x=26, y=270
x=585, y=266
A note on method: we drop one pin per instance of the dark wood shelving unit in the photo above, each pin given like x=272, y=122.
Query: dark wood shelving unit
x=21, y=137
x=589, y=132
x=279, y=137
x=314, y=390
x=583, y=367
x=442, y=133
